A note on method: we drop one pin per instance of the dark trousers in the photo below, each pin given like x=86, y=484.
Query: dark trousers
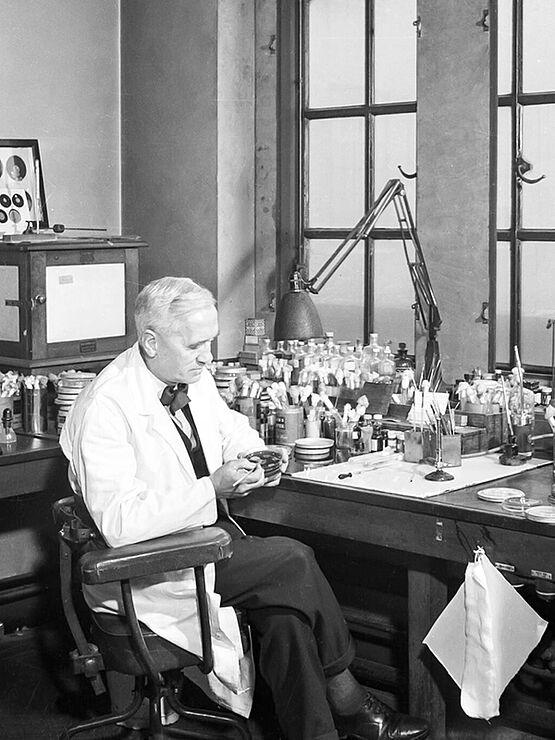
x=301, y=632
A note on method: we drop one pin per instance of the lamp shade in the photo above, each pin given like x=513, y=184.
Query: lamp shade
x=297, y=317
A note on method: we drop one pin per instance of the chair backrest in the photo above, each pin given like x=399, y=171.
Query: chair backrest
x=73, y=535
x=100, y=564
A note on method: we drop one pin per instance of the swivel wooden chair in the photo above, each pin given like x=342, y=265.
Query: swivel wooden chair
x=122, y=643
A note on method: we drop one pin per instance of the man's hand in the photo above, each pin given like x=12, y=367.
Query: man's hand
x=237, y=478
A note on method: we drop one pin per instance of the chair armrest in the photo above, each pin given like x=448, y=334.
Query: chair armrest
x=190, y=549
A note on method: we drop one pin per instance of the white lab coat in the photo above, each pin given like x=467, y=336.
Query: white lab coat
x=128, y=462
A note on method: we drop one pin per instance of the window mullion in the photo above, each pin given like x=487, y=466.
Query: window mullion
x=516, y=185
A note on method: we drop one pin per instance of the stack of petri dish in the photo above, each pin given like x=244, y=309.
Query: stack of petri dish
x=314, y=450
x=225, y=376
x=70, y=385
x=270, y=462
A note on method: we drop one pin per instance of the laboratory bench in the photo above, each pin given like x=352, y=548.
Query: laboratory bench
x=414, y=550
x=31, y=478
x=394, y=561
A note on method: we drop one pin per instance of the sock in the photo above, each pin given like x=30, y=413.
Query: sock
x=345, y=694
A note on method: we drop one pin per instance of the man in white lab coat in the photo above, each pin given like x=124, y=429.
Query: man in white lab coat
x=146, y=464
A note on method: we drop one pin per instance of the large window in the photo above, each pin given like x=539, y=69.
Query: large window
x=356, y=123
x=353, y=113
x=525, y=181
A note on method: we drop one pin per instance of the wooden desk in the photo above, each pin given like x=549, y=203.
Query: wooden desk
x=31, y=478
x=433, y=533
x=37, y=464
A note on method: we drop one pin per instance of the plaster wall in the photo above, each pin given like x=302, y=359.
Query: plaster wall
x=453, y=158
x=59, y=75
x=188, y=147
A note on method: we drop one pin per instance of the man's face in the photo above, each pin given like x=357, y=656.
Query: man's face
x=180, y=356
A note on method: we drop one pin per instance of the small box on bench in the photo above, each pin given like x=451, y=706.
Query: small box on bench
x=495, y=425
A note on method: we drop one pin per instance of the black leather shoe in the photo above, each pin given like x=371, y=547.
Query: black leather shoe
x=376, y=721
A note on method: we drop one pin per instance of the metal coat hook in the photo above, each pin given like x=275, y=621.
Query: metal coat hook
x=406, y=174
x=482, y=318
x=522, y=166
x=418, y=25
x=483, y=22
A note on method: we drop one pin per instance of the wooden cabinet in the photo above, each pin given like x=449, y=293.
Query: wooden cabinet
x=66, y=301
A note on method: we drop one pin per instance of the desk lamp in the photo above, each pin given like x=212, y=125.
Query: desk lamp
x=297, y=317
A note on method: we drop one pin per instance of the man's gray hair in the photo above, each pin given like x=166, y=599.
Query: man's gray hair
x=162, y=302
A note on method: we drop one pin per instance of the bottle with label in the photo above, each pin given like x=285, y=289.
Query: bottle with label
x=356, y=439
x=370, y=360
x=377, y=439
x=386, y=365
x=329, y=344
x=328, y=425
x=367, y=430
x=8, y=438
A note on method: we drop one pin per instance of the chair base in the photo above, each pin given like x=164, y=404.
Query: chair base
x=156, y=730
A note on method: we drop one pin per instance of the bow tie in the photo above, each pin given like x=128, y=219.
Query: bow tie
x=175, y=397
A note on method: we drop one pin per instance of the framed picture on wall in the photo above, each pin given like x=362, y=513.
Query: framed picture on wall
x=22, y=197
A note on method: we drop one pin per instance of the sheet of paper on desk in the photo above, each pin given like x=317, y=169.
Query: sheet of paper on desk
x=407, y=479
x=483, y=636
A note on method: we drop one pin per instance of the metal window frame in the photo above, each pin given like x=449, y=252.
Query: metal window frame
x=515, y=235
x=292, y=231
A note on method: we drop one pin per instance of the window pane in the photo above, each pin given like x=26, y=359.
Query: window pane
x=336, y=54
x=504, y=168
x=395, y=51
x=340, y=303
x=538, y=279
x=335, y=172
x=538, y=57
x=395, y=144
x=505, y=42
x=393, y=295
x=502, y=332
x=539, y=149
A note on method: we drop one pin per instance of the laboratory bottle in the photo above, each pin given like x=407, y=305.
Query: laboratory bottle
x=310, y=352
x=402, y=359
x=348, y=362
x=370, y=359
x=521, y=402
x=330, y=347
x=329, y=424
x=373, y=340
x=312, y=424
x=366, y=432
x=377, y=438
x=356, y=438
x=295, y=350
x=8, y=438
x=386, y=366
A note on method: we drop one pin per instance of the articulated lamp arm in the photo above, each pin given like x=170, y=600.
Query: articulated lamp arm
x=357, y=233
x=426, y=304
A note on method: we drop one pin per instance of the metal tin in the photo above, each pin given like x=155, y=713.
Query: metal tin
x=289, y=425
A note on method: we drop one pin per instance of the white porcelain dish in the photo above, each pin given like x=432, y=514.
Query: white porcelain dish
x=313, y=443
